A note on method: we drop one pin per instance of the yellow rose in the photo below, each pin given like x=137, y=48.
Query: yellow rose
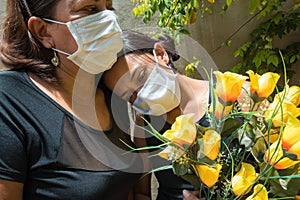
x=242, y=182
x=221, y=110
x=273, y=135
x=259, y=193
x=166, y=153
x=281, y=116
x=211, y=144
x=275, y=155
x=183, y=130
x=291, y=136
x=262, y=85
x=292, y=94
x=171, y=153
x=229, y=85
x=208, y=174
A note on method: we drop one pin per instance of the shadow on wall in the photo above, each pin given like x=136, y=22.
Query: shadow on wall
x=212, y=31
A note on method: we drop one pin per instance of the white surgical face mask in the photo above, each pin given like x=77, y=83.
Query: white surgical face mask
x=160, y=93
x=98, y=38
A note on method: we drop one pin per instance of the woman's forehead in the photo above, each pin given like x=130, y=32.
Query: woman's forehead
x=137, y=60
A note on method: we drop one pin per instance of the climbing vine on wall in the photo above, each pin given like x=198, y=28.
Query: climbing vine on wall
x=258, y=54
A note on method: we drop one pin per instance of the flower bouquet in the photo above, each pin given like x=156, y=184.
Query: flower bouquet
x=251, y=149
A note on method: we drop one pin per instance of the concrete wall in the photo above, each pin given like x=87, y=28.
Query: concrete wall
x=2, y=7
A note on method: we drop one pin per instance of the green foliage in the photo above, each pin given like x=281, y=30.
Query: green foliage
x=258, y=54
x=174, y=14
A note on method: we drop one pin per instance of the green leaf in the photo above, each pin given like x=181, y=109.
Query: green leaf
x=184, y=31
x=161, y=7
x=253, y=5
x=273, y=59
x=179, y=168
x=228, y=2
x=228, y=43
x=230, y=125
x=192, y=179
x=258, y=150
x=257, y=61
x=277, y=17
x=283, y=184
x=292, y=59
x=238, y=53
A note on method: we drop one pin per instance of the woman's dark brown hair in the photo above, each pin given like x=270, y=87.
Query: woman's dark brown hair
x=140, y=43
x=19, y=50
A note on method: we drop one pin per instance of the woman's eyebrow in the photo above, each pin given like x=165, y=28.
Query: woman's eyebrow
x=136, y=68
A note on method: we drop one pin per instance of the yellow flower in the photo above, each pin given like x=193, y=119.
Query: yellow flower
x=171, y=153
x=263, y=85
x=259, y=193
x=211, y=144
x=220, y=110
x=229, y=85
x=275, y=156
x=293, y=95
x=166, y=153
x=242, y=182
x=273, y=135
x=281, y=117
x=211, y=1
x=208, y=174
x=183, y=130
x=291, y=136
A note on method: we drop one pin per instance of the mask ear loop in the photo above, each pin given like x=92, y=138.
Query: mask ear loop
x=168, y=66
x=131, y=114
x=173, y=70
x=155, y=56
x=27, y=8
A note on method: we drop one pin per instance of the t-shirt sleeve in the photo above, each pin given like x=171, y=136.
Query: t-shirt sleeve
x=13, y=159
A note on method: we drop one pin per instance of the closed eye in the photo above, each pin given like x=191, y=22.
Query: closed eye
x=141, y=77
x=91, y=9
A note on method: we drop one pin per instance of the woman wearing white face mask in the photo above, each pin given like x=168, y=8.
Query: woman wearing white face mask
x=146, y=77
x=57, y=135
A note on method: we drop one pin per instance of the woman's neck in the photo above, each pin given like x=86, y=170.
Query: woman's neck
x=73, y=87
x=79, y=86
x=194, y=96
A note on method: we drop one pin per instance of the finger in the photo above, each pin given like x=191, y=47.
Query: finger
x=196, y=193
x=188, y=195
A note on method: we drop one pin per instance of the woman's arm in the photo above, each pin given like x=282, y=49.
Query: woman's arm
x=142, y=189
x=10, y=190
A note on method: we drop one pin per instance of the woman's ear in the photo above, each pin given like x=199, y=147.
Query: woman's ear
x=161, y=53
x=38, y=28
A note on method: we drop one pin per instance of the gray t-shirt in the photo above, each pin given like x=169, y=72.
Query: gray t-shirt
x=54, y=154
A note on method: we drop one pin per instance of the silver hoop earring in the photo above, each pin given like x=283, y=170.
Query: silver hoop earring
x=55, y=60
